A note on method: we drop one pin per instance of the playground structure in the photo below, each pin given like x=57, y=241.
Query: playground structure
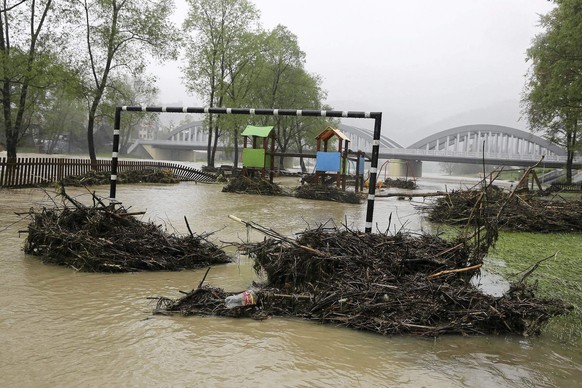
x=332, y=161
x=336, y=162
x=257, y=157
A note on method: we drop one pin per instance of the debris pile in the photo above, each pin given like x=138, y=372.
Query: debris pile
x=100, y=238
x=327, y=193
x=248, y=185
x=398, y=183
x=256, y=185
x=201, y=301
x=388, y=284
x=146, y=175
x=518, y=210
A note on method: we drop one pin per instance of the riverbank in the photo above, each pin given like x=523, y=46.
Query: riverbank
x=554, y=256
x=558, y=277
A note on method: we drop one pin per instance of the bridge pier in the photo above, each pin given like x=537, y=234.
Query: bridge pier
x=396, y=168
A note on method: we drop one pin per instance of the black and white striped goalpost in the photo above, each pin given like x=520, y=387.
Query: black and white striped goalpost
x=377, y=116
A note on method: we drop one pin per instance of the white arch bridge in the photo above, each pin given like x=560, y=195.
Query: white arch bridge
x=496, y=144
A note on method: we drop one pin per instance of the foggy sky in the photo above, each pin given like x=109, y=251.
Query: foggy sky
x=427, y=65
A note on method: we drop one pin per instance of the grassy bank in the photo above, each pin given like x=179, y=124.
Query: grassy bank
x=558, y=277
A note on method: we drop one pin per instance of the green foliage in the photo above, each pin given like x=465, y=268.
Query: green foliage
x=284, y=83
x=30, y=64
x=220, y=45
x=559, y=277
x=231, y=61
x=63, y=116
x=118, y=36
x=553, y=96
x=55, y=54
x=221, y=59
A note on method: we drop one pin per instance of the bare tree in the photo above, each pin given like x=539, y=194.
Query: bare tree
x=118, y=35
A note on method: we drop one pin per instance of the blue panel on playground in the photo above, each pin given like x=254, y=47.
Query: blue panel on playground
x=327, y=161
x=362, y=165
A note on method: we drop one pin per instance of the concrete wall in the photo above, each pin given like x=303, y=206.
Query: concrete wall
x=401, y=169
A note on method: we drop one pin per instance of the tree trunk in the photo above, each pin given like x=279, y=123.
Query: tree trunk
x=215, y=144
x=570, y=147
x=301, y=158
x=283, y=146
x=91, y=141
x=235, y=148
x=11, y=143
x=569, y=162
x=302, y=164
x=10, y=132
x=209, y=161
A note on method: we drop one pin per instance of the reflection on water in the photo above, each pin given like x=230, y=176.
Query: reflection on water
x=60, y=327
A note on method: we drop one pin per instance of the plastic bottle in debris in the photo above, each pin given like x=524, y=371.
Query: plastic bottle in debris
x=245, y=298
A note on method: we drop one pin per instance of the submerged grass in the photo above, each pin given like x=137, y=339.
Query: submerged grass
x=558, y=277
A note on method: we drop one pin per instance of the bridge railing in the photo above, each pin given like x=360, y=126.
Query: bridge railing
x=168, y=142
x=569, y=187
x=475, y=155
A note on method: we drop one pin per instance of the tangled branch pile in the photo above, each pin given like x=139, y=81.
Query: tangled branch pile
x=400, y=183
x=327, y=193
x=102, y=239
x=245, y=184
x=204, y=300
x=248, y=185
x=388, y=284
x=146, y=175
x=517, y=211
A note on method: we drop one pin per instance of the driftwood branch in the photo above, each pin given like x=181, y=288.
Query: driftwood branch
x=275, y=235
x=457, y=270
x=434, y=194
x=533, y=267
x=204, y=278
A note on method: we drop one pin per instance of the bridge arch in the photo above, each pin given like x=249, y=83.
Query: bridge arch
x=192, y=131
x=362, y=138
x=497, y=138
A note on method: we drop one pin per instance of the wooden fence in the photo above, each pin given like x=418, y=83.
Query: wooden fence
x=28, y=172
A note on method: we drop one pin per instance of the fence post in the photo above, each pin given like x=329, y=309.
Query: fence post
x=60, y=167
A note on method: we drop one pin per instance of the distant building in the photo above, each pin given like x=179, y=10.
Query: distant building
x=148, y=131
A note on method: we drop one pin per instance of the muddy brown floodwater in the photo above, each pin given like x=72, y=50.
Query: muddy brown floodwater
x=63, y=328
